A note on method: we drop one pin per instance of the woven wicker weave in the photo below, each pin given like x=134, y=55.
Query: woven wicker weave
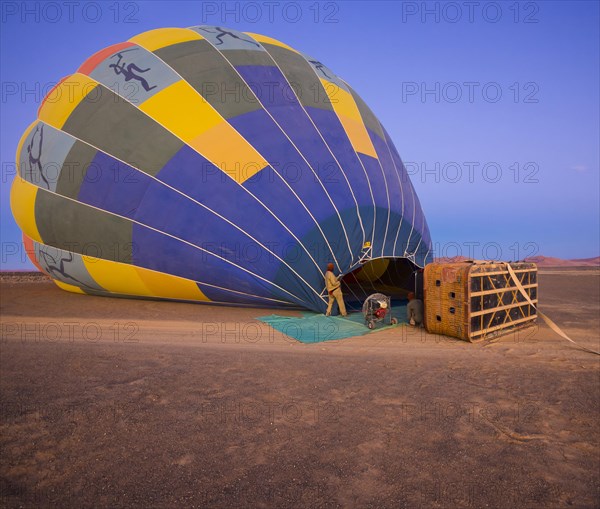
x=477, y=300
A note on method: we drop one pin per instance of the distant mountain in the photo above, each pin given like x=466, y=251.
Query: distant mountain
x=541, y=261
x=454, y=259
x=548, y=261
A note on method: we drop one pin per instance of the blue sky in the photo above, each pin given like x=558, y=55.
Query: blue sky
x=493, y=108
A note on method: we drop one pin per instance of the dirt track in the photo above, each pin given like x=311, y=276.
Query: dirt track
x=120, y=403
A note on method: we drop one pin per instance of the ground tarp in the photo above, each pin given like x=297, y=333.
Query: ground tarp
x=315, y=328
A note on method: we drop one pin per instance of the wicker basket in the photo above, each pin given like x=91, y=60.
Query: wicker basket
x=475, y=300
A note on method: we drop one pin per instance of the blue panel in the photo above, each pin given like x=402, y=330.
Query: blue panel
x=112, y=185
x=170, y=212
x=402, y=239
x=332, y=130
x=273, y=194
x=292, y=118
x=120, y=189
x=427, y=236
x=393, y=188
x=414, y=243
x=267, y=138
x=270, y=86
x=159, y=252
x=422, y=251
x=381, y=200
x=407, y=188
x=428, y=255
x=419, y=218
x=282, y=104
x=195, y=176
x=199, y=179
x=228, y=297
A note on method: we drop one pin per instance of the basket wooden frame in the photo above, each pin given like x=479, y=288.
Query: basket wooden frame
x=478, y=300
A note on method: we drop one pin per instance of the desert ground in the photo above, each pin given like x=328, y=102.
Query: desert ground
x=120, y=403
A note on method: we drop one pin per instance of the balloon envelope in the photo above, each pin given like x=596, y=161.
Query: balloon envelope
x=206, y=164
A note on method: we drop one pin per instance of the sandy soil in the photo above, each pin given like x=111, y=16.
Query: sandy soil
x=120, y=403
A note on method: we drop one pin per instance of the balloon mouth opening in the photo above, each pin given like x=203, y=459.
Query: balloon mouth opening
x=394, y=277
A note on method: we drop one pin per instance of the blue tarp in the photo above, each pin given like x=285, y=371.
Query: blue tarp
x=315, y=327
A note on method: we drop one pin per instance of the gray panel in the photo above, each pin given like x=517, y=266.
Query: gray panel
x=325, y=72
x=368, y=116
x=118, y=128
x=301, y=76
x=239, y=57
x=74, y=169
x=42, y=155
x=207, y=71
x=134, y=73
x=65, y=266
x=225, y=38
x=72, y=226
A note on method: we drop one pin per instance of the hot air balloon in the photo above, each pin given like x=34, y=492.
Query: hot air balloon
x=206, y=164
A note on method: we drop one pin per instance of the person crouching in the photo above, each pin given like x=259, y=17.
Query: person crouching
x=414, y=310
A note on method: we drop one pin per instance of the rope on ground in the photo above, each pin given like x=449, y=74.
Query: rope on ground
x=546, y=319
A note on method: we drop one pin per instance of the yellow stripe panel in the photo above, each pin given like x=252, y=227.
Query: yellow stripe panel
x=116, y=277
x=21, y=141
x=181, y=110
x=269, y=40
x=185, y=113
x=123, y=278
x=227, y=149
x=68, y=287
x=344, y=105
x=22, y=204
x=65, y=98
x=170, y=287
x=161, y=37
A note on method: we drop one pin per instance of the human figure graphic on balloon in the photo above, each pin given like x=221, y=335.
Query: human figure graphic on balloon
x=36, y=161
x=127, y=70
x=223, y=32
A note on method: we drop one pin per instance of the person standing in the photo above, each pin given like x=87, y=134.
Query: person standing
x=334, y=290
